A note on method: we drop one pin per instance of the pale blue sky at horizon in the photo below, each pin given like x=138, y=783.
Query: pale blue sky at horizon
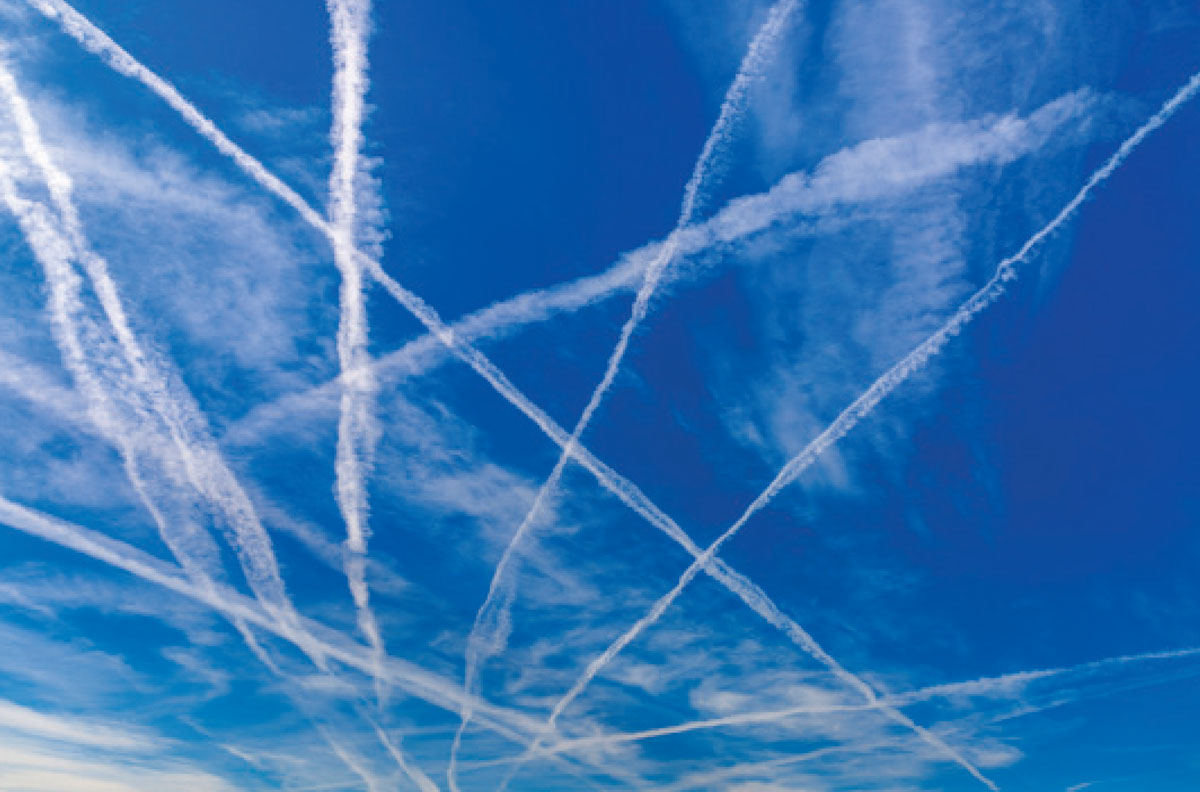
x=642, y=394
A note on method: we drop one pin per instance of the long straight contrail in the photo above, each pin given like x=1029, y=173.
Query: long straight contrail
x=97, y=42
x=971, y=688
x=309, y=637
x=489, y=633
x=414, y=774
x=866, y=403
x=357, y=432
x=165, y=400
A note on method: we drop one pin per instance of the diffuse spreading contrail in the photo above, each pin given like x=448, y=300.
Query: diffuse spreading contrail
x=489, y=633
x=972, y=688
x=866, y=403
x=913, y=160
x=310, y=637
x=357, y=433
x=138, y=380
x=100, y=44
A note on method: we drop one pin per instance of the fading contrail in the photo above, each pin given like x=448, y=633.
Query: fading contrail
x=895, y=165
x=309, y=637
x=97, y=42
x=411, y=771
x=354, y=763
x=866, y=403
x=357, y=433
x=160, y=397
x=975, y=688
x=489, y=633
x=55, y=245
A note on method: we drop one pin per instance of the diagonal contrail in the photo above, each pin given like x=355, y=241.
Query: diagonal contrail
x=913, y=160
x=975, y=687
x=357, y=433
x=489, y=633
x=92, y=362
x=414, y=774
x=866, y=403
x=96, y=41
x=309, y=637
x=59, y=241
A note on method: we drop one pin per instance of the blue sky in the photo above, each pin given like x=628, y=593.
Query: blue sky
x=706, y=395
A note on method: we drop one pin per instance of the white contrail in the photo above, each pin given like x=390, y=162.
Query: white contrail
x=165, y=398
x=411, y=771
x=883, y=386
x=71, y=323
x=99, y=43
x=309, y=637
x=357, y=433
x=354, y=763
x=489, y=633
x=81, y=340
x=975, y=688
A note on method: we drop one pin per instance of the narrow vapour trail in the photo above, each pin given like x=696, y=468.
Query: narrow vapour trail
x=163, y=394
x=99, y=43
x=54, y=247
x=354, y=763
x=80, y=341
x=489, y=633
x=413, y=773
x=974, y=688
x=357, y=433
x=898, y=165
x=866, y=403
x=311, y=638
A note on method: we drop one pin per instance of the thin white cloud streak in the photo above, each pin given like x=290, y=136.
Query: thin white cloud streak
x=99, y=43
x=189, y=542
x=357, y=432
x=988, y=687
x=489, y=633
x=163, y=395
x=355, y=763
x=43, y=769
x=873, y=170
x=413, y=773
x=23, y=720
x=32, y=383
x=866, y=403
x=311, y=638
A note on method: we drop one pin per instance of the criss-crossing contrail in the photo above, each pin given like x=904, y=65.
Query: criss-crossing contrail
x=896, y=165
x=97, y=42
x=310, y=637
x=866, y=403
x=85, y=358
x=414, y=774
x=165, y=396
x=119, y=412
x=357, y=432
x=489, y=633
